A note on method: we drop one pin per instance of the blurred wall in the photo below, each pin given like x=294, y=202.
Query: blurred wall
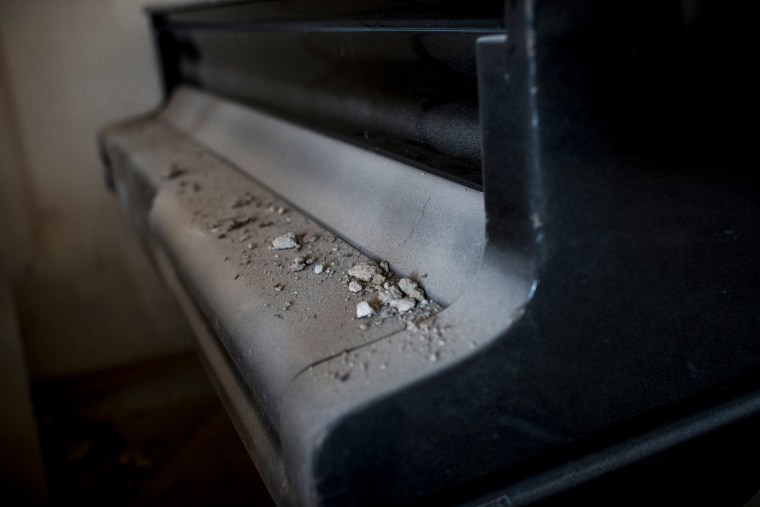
x=86, y=295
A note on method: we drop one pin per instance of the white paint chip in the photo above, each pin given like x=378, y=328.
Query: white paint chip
x=410, y=288
x=403, y=305
x=285, y=242
x=363, y=310
x=362, y=271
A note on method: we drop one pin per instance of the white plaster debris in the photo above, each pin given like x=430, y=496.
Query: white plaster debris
x=298, y=264
x=364, y=310
x=285, y=242
x=355, y=286
x=362, y=271
x=392, y=293
x=378, y=279
x=411, y=289
x=406, y=285
x=318, y=268
x=403, y=305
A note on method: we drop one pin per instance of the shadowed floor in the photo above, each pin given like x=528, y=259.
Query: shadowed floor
x=149, y=435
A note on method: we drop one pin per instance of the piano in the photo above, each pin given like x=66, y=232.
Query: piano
x=484, y=253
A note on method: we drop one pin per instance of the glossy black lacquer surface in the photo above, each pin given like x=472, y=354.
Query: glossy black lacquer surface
x=398, y=77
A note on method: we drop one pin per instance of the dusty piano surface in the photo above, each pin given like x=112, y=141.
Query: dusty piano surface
x=567, y=187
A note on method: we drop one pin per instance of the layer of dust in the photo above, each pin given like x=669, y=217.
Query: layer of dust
x=311, y=275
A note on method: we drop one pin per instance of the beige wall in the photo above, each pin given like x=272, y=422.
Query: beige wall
x=86, y=295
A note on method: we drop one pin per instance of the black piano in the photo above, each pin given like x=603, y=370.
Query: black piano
x=486, y=253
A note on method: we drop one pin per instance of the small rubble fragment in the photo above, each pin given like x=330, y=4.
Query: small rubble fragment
x=355, y=286
x=411, y=289
x=309, y=238
x=384, y=266
x=318, y=268
x=389, y=294
x=378, y=279
x=403, y=305
x=364, y=310
x=285, y=242
x=362, y=271
x=298, y=264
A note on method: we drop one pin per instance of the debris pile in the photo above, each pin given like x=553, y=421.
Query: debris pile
x=386, y=297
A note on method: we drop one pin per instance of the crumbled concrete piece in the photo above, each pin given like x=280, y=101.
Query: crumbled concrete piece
x=392, y=293
x=281, y=210
x=403, y=305
x=363, y=327
x=171, y=171
x=411, y=289
x=418, y=295
x=355, y=286
x=278, y=287
x=364, y=309
x=406, y=285
x=309, y=238
x=298, y=264
x=378, y=279
x=384, y=266
x=285, y=242
x=362, y=271
x=309, y=260
x=318, y=268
